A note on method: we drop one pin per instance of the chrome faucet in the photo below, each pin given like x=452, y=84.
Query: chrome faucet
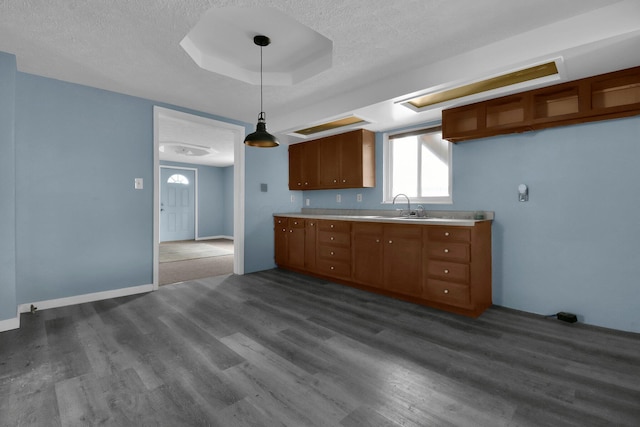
x=408, y=203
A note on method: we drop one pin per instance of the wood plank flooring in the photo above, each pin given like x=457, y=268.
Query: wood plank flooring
x=276, y=348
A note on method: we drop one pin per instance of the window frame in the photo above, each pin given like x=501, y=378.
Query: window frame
x=387, y=197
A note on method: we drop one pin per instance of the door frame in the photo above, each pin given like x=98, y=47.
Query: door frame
x=238, y=186
x=195, y=196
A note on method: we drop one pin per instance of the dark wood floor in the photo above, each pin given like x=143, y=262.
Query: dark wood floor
x=280, y=349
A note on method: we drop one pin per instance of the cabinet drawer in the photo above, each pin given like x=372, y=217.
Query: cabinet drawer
x=334, y=238
x=449, y=271
x=333, y=253
x=449, y=234
x=337, y=269
x=296, y=223
x=342, y=226
x=448, y=293
x=449, y=251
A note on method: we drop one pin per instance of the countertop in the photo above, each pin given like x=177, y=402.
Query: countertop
x=452, y=218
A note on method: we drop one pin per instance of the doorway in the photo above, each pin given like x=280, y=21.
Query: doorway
x=236, y=132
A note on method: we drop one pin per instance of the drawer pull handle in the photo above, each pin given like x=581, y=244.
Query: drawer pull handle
x=446, y=291
x=446, y=251
x=446, y=271
x=446, y=233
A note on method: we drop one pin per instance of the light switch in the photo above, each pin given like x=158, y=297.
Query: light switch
x=138, y=184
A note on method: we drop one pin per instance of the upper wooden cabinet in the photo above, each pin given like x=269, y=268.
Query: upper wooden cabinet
x=339, y=161
x=602, y=97
x=303, y=166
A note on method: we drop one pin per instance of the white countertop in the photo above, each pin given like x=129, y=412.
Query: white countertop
x=467, y=222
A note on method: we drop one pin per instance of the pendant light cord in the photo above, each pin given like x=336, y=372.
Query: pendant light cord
x=261, y=106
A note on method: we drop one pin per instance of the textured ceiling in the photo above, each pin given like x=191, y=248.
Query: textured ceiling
x=133, y=47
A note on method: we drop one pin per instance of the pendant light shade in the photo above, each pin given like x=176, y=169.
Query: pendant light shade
x=261, y=138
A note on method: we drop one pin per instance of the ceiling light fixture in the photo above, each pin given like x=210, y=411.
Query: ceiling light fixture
x=261, y=138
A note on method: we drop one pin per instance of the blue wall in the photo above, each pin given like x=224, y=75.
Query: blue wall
x=574, y=245
x=228, y=192
x=81, y=225
x=7, y=187
x=214, y=209
x=268, y=166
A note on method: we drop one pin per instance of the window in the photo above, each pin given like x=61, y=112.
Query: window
x=178, y=179
x=418, y=164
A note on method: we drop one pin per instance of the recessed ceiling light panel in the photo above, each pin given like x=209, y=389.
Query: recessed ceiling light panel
x=533, y=74
x=334, y=124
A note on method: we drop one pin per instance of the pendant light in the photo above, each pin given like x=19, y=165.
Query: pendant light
x=261, y=138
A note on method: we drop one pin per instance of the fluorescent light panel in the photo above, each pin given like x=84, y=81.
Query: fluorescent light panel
x=520, y=76
x=351, y=120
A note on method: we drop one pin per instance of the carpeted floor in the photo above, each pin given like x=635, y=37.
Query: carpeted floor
x=197, y=267
x=192, y=249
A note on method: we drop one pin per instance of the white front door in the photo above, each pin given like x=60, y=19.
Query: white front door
x=177, y=204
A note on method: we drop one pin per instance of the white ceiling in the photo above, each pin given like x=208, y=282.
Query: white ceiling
x=383, y=51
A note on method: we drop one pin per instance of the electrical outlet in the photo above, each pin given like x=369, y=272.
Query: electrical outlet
x=307, y=202
x=338, y=198
x=358, y=197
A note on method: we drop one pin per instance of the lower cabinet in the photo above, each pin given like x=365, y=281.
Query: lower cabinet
x=290, y=242
x=333, y=256
x=447, y=267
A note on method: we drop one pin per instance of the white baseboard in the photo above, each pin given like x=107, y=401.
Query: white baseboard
x=10, y=324
x=6, y=325
x=215, y=237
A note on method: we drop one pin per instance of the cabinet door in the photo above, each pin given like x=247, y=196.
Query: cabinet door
x=280, y=238
x=351, y=161
x=367, y=254
x=329, y=162
x=296, y=166
x=310, y=165
x=403, y=259
x=310, y=238
x=295, y=242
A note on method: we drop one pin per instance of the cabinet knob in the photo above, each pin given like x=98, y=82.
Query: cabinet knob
x=299, y=183
x=446, y=233
x=311, y=224
x=377, y=240
x=446, y=251
x=446, y=271
x=295, y=222
x=332, y=238
x=446, y=291
x=332, y=267
x=332, y=253
x=335, y=180
x=284, y=229
x=390, y=241
x=344, y=180
x=290, y=231
x=331, y=225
